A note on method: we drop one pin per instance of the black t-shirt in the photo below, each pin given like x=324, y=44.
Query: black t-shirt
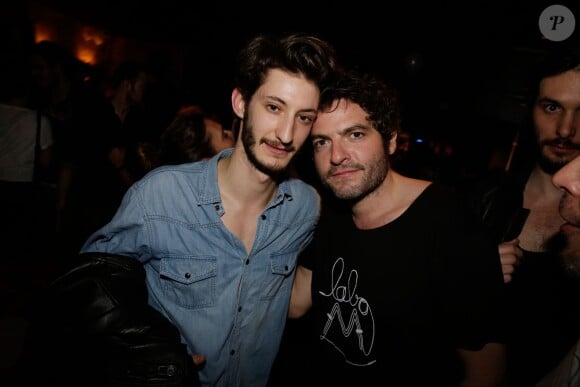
x=392, y=304
x=543, y=318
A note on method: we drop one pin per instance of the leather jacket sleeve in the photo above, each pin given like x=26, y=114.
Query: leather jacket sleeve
x=498, y=202
x=101, y=308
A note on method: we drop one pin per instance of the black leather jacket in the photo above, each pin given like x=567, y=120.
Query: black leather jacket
x=498, y=199
x=102, y=320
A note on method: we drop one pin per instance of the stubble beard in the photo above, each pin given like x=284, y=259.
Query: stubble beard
x=249, y=143
x=550, y=165
x=374, y=174
x=566, y=247
x=571, y=261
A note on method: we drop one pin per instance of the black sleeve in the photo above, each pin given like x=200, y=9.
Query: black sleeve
x=470, y=276
x=104, y=332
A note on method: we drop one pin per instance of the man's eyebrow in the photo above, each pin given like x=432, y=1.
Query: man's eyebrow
x=274, y=98
x=548, y=99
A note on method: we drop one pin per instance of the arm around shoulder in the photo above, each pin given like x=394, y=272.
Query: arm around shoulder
x=485, y=367
x=301, y=298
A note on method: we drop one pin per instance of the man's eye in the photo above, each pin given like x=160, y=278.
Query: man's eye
x=318, y=143
x=551, y=107
x=306, y=119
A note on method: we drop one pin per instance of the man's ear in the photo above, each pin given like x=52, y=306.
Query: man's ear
x=393, y=143
x=238, y=103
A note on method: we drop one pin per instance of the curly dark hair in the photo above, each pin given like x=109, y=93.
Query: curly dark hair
x=377, y=98
x=556, y=58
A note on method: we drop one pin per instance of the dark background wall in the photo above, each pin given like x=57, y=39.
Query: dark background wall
x=461, y=66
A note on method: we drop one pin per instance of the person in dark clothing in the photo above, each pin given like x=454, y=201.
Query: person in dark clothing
x=86, y=133
x=520, y=208
x=400, y=285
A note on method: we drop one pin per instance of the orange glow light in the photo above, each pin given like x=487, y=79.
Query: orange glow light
x=91, y=35
x=86, y=55
x=43, y=32
x=89, y=43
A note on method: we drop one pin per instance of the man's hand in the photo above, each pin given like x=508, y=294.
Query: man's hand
x=198, y=360
x=510, y=255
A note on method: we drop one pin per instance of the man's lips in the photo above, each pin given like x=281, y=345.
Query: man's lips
x=569, y=228
x=562, y=148
x=279, y=150
x=342, y=172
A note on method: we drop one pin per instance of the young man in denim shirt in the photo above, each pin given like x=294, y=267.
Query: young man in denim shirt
x=219, y=238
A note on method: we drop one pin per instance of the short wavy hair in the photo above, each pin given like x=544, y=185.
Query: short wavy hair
x=298, y=53
x=377, y=98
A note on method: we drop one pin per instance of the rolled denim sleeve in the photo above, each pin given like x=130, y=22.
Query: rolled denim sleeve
x=126, y=233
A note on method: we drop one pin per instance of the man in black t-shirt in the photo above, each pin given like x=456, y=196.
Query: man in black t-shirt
x=402, y=286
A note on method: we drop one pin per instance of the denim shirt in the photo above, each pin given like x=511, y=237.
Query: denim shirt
x=229, y=305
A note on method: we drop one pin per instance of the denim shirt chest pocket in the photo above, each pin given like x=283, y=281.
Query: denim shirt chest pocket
x=278, y=279
x=189, y=281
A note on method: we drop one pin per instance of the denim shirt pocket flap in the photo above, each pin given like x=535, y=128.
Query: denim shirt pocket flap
x=188, y=270
x=283, y=263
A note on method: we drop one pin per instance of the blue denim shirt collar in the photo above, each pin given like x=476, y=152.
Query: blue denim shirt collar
x=210, y=192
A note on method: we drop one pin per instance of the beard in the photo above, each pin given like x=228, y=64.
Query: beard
x=568, y=252
x=249, y=142
x=374, y=173
x=548, y=165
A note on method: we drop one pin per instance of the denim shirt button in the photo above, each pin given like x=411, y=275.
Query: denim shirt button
x=217, y=207
x=263, y=217
x=188, y=275
x=247, y=261
x=233, y=352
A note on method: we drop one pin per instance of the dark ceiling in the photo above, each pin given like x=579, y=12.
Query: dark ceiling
x=381, y=36
x=461, y=50
x=363, y=22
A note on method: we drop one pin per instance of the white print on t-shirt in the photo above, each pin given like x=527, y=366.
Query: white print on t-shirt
x=344, y=293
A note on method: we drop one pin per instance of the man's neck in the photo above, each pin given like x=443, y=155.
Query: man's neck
x=389, y=201
x=541, y=197
x=240, y=181
x=540, y=187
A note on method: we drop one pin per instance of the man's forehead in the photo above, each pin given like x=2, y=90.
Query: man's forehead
x=289, y=88
x=343, y=106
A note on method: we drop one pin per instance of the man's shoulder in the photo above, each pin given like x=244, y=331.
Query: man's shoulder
x=300, y=190
x=167, y=176
x=176, y=171
x=301, y=199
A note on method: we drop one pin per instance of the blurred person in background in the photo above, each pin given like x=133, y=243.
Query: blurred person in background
x=520, y=208
x=86, y=133
x=27, y=196
x=129, y=84
x=193, y=136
